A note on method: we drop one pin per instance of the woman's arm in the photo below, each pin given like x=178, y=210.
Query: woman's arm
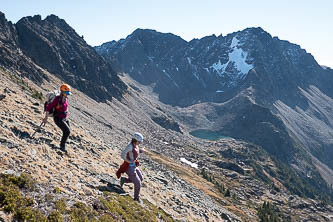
x=142, y=150
x=124, y=154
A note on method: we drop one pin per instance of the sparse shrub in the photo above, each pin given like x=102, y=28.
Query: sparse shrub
x=48, y=197
x=107, y=218
x=60, y=205
x=269, y=213
x=37, y=95
x=22, y=181
x=81, y=212
x=217, y=184
x=227, y=193
x=12, y=201
x=29, y=214
x=25, y=86
x=57, y=190
x=55, y=216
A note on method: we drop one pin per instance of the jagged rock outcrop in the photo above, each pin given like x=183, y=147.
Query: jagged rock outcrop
x=55, y=46
x=11, y=56
x=167, y=123
x=32, y=45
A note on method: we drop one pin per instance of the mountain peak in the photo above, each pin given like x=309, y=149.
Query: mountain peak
x=31, y=19
x=2, y=16
x=151, y=34
x=55, y=19
x=3, y=20
x=254, y=33
x=55, y=46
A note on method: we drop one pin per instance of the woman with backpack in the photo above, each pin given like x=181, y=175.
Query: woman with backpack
x=58, y=107
x=130, y=156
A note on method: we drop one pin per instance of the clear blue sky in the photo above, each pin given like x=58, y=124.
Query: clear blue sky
x=307, y=23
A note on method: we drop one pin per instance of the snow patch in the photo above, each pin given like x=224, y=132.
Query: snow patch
x=189, y=60
x=234, y=42
x=194, y=165
x=237, y=57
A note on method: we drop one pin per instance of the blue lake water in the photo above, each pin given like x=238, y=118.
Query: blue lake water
x=207, y=134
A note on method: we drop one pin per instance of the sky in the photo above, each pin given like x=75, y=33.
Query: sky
x=307, y=23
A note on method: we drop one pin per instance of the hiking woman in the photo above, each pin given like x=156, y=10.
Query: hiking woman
x=130, y=155
x=60, y=106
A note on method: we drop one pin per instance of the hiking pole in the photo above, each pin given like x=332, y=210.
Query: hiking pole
x=38, y=129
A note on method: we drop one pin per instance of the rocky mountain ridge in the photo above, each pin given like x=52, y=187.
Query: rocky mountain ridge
x=214, y=68
x=269, y=90
x=51, y=44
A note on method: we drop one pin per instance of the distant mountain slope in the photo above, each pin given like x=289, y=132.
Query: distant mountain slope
x=216, y=68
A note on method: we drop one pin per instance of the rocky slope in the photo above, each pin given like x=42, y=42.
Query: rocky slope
x=100, y=131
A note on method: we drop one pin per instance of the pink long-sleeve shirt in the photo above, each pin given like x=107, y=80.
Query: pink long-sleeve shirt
x=61, y=107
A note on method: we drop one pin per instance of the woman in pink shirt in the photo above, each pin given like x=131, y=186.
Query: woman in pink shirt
x=60, y=106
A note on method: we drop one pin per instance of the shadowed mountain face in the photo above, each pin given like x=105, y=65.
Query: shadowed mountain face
x=271, y=92
x=11, y=56
x=51, y=44
x=216, y=68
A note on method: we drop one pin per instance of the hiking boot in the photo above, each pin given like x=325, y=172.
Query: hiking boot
x=63, y=149
x=138, y=200
x=122, y=181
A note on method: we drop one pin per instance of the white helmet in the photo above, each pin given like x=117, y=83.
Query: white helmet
x=138, y=137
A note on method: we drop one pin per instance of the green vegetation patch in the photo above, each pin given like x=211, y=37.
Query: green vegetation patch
x=219, y=186
x=12, y=200
x=55, y=216
x=124, y=208
x=112, y=207
x=81, y=212
x=270, y=213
